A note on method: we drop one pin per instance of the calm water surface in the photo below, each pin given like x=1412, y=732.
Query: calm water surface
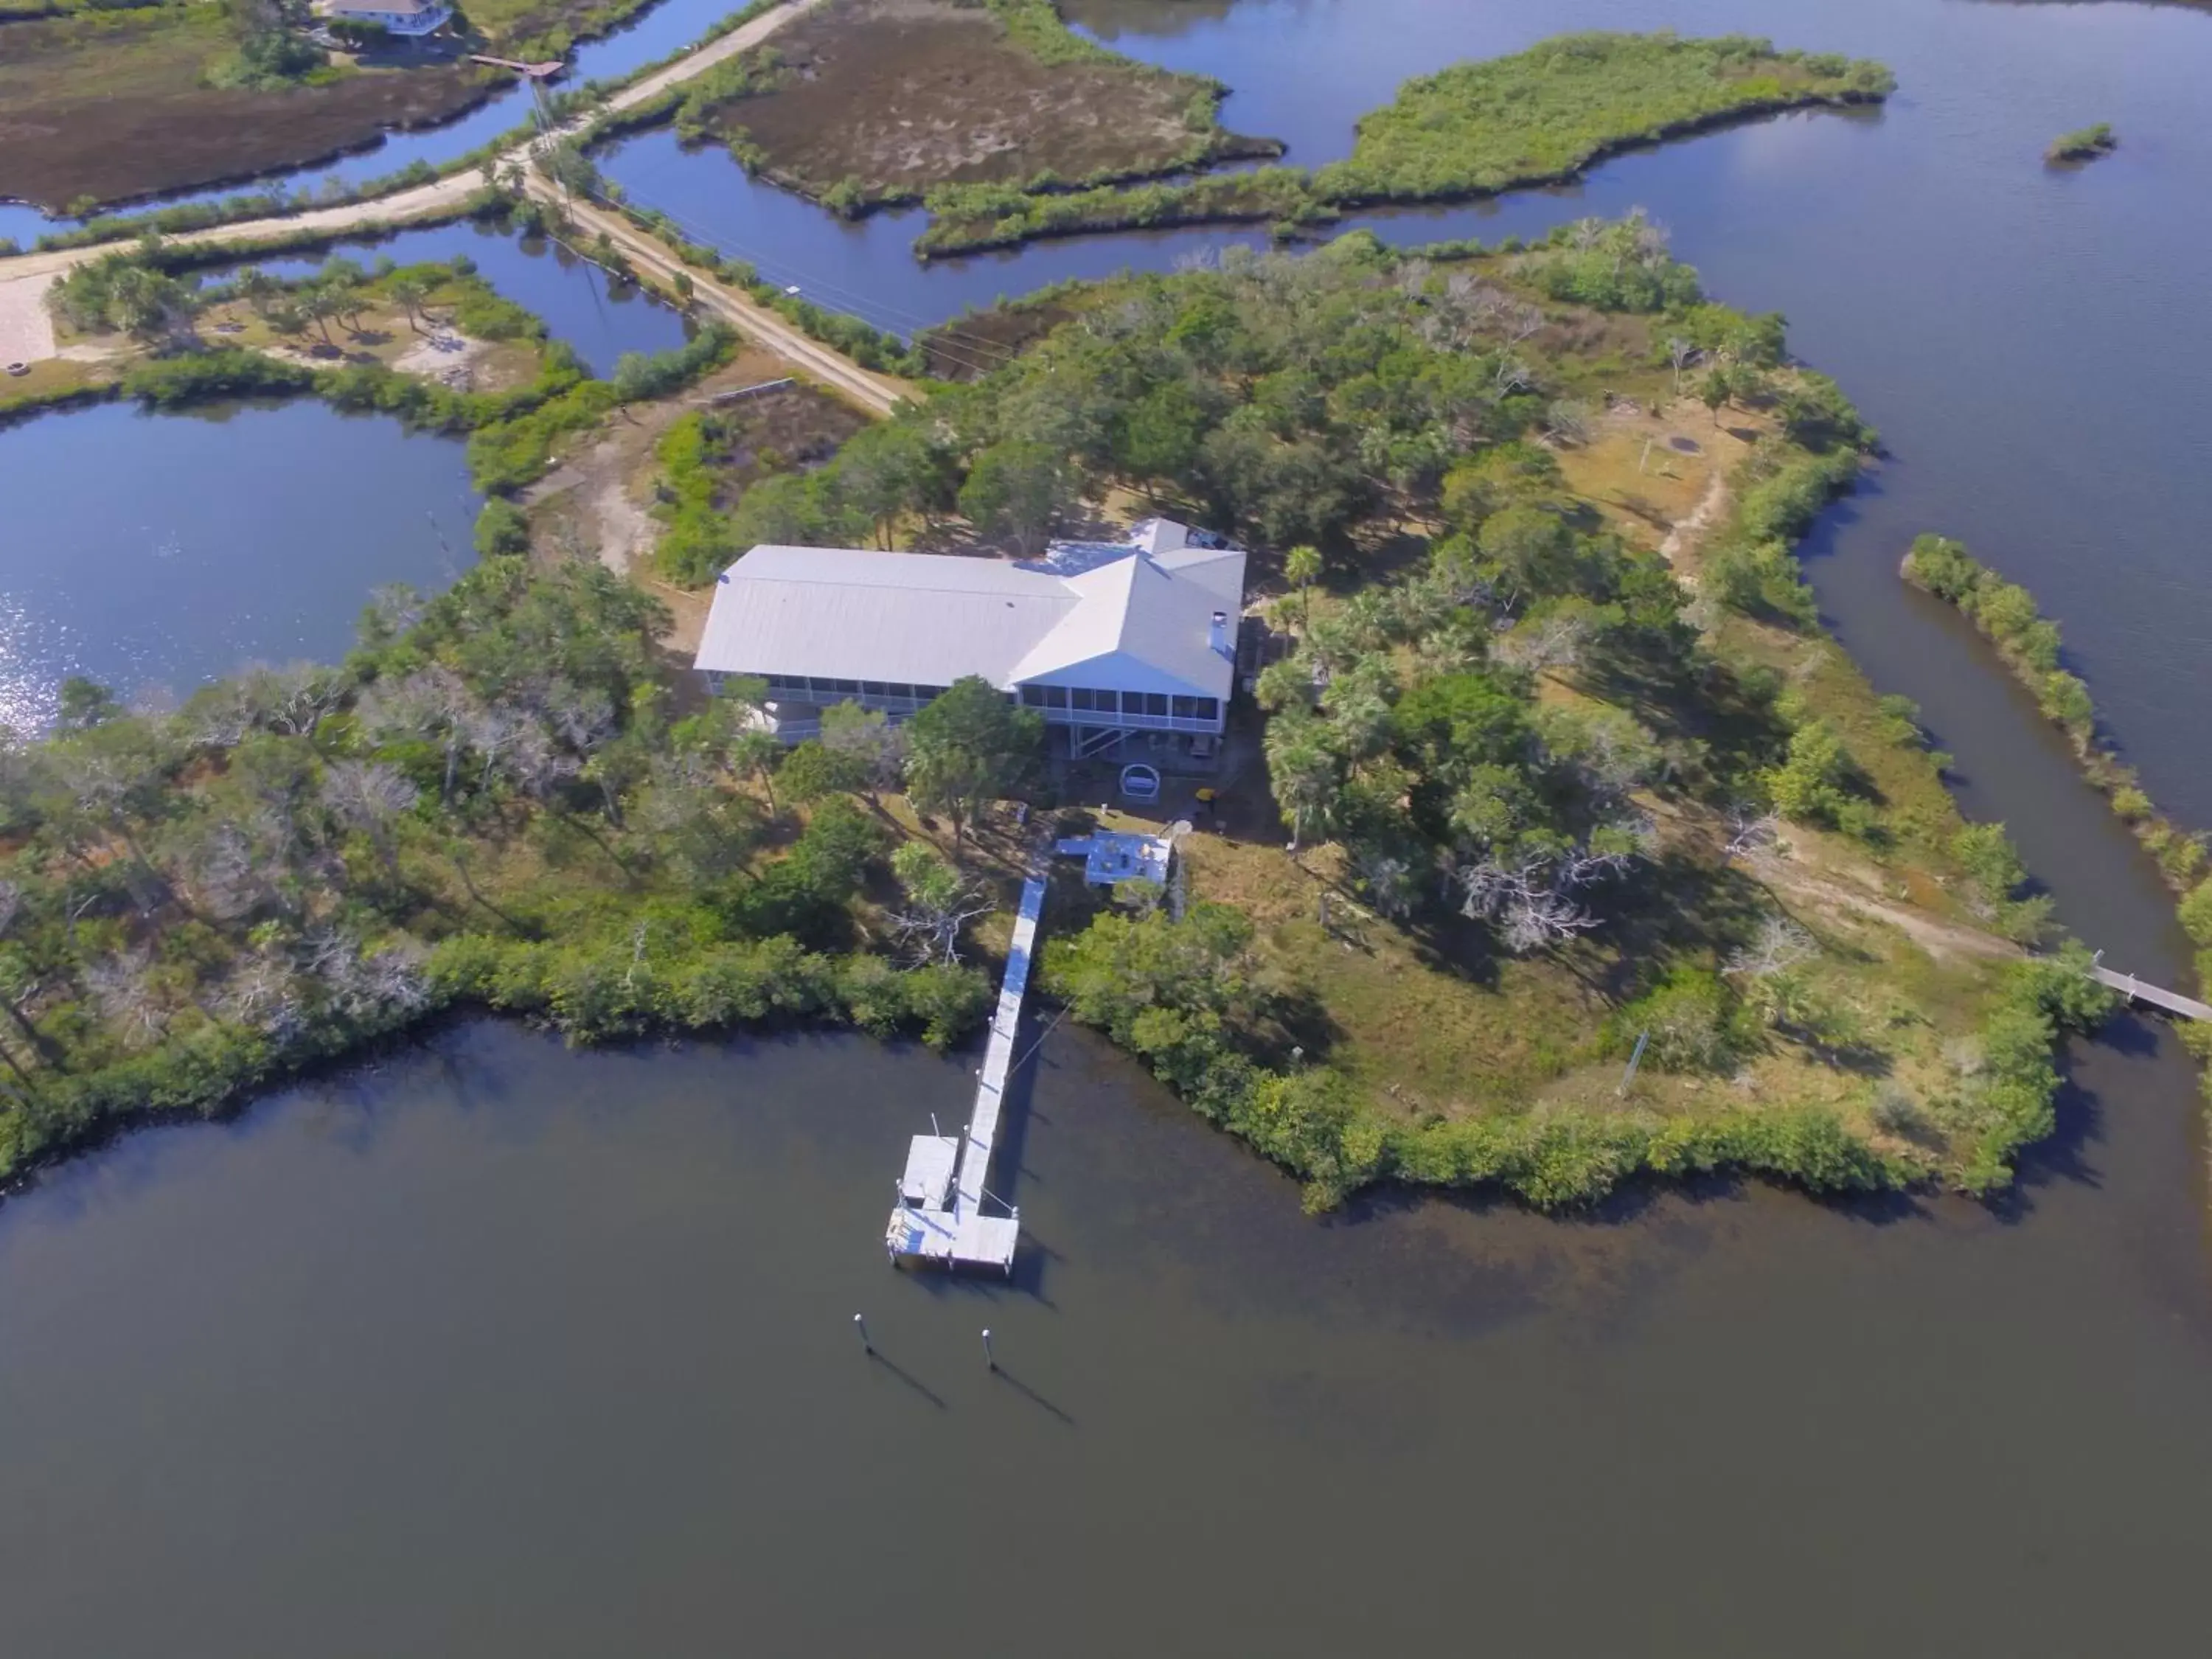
x=154, y=552
x=504, y=1350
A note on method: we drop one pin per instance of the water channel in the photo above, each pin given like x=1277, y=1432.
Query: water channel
x=503, y=1349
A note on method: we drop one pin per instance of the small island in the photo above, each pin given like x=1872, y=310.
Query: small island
x=2087, y=144
x=865, y=104
x=1540, y=117
x=1550, y=844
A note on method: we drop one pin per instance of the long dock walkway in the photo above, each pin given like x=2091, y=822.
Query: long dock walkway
x=939, y=1217
x=2137, y=991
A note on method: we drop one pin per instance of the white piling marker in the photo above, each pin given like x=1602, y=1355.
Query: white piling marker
x=989, y=1360
x=1634, y=1060
x=861, y=1326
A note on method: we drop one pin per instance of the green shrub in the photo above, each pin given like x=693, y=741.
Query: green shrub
x=1696, y=1023
x=2196, y=913
x=502, y=528
x=1813, y=785
x=173, y=382
x=1944, y=568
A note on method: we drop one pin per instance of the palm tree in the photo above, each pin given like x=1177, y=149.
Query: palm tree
x=1717, y=388
x=143, y=300
x=258, y=289
x=410, y=292
x=347, y=295
x=1302, y=566
x=1306, y=772
x=319, y=305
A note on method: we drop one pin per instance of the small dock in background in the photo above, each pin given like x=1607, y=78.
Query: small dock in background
x=2137, y=991
x=939, y=1216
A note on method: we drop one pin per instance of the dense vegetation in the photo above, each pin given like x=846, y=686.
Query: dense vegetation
x=490, y=802
x=1505, y=736
x=1481, y=725
x=1540, y=116
x=2008, y=615
x=271, y=51
x=710, y=457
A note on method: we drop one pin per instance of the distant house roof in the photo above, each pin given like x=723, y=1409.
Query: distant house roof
x=1113, y=614
x=380, y=8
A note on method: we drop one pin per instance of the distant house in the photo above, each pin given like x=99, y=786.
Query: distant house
x=404, y=17
x=1106, y=639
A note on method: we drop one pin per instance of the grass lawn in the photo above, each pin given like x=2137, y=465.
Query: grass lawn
x=49, y=378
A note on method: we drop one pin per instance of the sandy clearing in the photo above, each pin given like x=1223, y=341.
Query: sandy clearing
x=27, y=329
x=444, y=355
x=1687, y=535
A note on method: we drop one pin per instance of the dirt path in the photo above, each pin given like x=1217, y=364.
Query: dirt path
x=1940, y=938
x=446, y=193
x=1686, y=535
x=878, y=394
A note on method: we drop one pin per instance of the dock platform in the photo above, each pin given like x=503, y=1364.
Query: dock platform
x=930, y=1223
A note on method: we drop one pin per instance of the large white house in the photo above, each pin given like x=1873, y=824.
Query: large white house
x=407, y=17
x=1105, y=638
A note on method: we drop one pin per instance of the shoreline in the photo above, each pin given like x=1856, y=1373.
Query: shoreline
x=1302, y=198
x=1944, y=570
x=1314, y=210
x=1554, y=1158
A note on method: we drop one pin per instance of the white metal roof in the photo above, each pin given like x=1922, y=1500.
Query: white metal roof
x=851, y=614
x=1129, y=620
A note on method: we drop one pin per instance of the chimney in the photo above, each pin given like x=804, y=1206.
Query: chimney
x=1217, y=636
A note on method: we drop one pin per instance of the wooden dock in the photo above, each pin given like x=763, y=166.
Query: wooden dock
x=944, y=1222
x=2137, y=991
